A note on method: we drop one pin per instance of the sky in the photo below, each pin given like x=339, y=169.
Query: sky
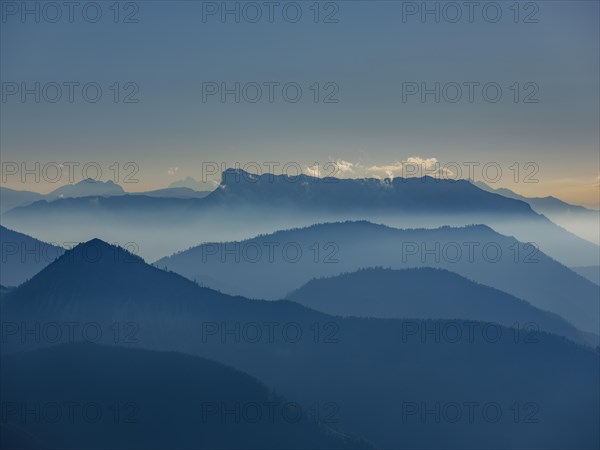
x=355, y=88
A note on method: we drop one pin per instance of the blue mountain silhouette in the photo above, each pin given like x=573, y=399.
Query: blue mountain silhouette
x=427, y=293
x=23, y=256
x=369, y=368
x=146, y=399
x=475, y=252
x=269, y=202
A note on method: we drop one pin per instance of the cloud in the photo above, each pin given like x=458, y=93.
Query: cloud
x=344, y=166
x=413, y=166
x=313, y=170
x=386, y=171
x=172, y=170
x=337, y=169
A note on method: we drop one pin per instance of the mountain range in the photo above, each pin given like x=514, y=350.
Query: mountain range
x=427, y=294
x=381, y=374
x=575, y=218
x=268, y=202
x=201, y=404
x=272, y=266
x=205, y=185
x=11, y=198
x=23, y=256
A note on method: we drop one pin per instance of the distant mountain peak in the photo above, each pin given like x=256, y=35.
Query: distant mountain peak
x=87, y=187
x=98, y=251
x=95, y=242
x=91, y=180
x=192, y=183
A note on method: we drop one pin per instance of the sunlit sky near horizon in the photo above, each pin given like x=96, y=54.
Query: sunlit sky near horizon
x=363, y=61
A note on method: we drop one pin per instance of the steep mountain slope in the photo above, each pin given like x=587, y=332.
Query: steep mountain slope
x=23, y=256
x=126, y=398
x=592, y=273
x=374, y=372
x=579, y=220
x=272, y=266
x=426, y=294
x=543, y=205
x=11, y=198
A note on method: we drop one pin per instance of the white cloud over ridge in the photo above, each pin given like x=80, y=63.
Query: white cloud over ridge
x=413, y=166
